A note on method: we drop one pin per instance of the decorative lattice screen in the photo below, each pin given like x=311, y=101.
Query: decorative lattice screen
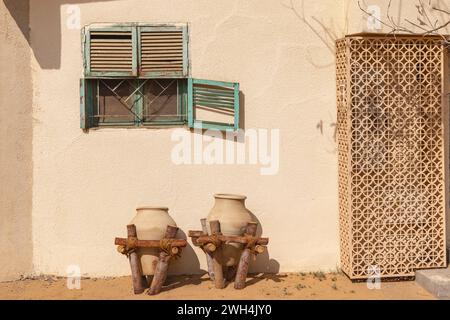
x=391, y=154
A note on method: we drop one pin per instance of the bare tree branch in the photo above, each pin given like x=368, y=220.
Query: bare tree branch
x=424, y=18
x=391, y=26
x=441, y=10
x=311, y=27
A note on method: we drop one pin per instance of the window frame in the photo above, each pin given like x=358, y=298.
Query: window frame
x=198, y=124
x=185, y=90
x=89, y=89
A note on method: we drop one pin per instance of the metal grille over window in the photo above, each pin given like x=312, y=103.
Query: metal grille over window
x=117, y=102
x=136, y=101
x=161, y=100
x=111, y=51
x=391, y=155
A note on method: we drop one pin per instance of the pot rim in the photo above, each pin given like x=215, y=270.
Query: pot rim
x=229, y=196
x=152, y=208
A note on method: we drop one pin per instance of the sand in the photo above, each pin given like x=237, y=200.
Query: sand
x=263, y=286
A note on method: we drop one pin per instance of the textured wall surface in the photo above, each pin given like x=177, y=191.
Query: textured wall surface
x=15, y=141
x=87, y=185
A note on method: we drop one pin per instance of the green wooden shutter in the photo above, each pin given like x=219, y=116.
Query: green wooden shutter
x=163, y=51
x=110, y=51
x=213, y=104
x=87, y=103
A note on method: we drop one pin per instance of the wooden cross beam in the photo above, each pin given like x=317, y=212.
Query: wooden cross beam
x=136, y=243
x=199, y=239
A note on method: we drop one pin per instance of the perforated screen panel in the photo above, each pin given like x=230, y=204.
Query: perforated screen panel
x=390, y=135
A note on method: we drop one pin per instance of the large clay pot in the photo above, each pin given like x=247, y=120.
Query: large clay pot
x=151, y=224
x=233, y=216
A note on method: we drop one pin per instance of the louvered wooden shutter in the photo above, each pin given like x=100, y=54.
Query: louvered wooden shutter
x=110, y=52
x=163, y=51
x=213, y=104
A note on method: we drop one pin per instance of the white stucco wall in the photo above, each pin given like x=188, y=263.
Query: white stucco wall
x=87, y=185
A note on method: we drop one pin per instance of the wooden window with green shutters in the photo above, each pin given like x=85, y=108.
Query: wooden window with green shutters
x=138, y=75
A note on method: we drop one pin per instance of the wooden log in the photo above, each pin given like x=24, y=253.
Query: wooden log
x=210, y=247
x=139, y=280
x=196, y=234
x=208, y=250
x=163, y=264
x=174, y=250
x=150, y=243
x=242, y=270
x=260, y=249
x=202, y=240
x=219, y=281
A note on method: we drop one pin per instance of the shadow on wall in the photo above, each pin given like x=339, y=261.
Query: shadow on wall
x=188, y=262
x=48, y=53
x=15, y=143
x=241, y=110
x=263, y=263
x=19, y=10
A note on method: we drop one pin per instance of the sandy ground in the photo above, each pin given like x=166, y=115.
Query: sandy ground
x=263, y=286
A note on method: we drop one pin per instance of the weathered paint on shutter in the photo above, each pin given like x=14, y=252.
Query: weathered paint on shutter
x=163, y=51
x=87, y=103
x=110, y=51
x=213, y=104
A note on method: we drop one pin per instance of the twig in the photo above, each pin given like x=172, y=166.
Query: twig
x=427, y=27
x=310, y=26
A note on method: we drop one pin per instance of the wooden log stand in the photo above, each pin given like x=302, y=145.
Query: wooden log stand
x=209, y=259
x=169, y=246
x=212, y=245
